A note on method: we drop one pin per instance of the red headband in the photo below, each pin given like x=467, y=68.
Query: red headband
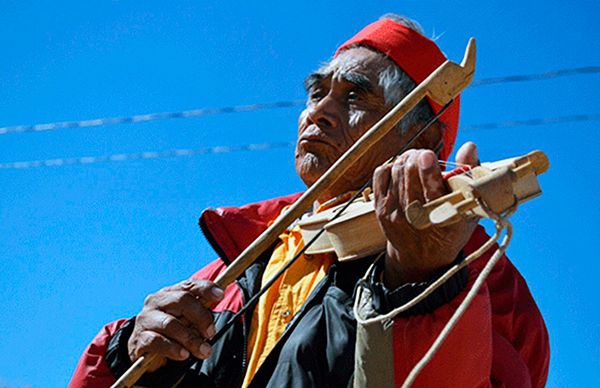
x=417, y=56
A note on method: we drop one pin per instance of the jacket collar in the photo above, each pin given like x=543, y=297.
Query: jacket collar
x=230, y=230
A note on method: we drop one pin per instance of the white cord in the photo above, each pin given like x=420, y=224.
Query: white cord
x=500, y=224
x=426, y=292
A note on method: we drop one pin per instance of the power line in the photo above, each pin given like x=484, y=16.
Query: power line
x=143, y=155
x=537, y=77
x=149, y=117
x=532, y=122
x=140, y=118
x=260, y=147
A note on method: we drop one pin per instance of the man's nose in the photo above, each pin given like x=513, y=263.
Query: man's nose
x=325, y=113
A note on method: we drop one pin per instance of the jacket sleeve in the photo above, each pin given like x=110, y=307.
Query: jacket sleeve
x=93, y=369
x=501, y=340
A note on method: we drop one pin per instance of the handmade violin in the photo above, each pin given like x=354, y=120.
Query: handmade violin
x=476, y=192
x=441, y=86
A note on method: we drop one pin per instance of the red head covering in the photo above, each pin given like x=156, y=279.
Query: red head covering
x=417, y=56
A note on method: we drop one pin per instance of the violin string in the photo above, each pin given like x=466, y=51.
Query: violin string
x=191, y=361
x=453, y=164
x=448, y=163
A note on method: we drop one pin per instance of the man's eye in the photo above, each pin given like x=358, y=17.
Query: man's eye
x=354, y=95
x=316, y=94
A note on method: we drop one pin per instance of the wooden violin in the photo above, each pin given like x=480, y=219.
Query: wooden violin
x=476, y=192
x=441, y=86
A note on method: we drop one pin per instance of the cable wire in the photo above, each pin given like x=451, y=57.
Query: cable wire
x=262, y=146
x=537, y=77
x=142, y=155
x=532, y=122
x=140, y=118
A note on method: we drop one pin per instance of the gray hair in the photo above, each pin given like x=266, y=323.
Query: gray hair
x=396, y=83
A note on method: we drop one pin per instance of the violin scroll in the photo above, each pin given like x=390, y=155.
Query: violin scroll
x=495, y=187
x=450, y=78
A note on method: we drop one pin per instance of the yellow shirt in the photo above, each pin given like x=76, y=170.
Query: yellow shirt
x=280, y=303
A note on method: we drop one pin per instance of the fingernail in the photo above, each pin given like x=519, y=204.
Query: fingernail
x=210, y=332
x=426, y=160
x=217, y=293
x=184, y=353
x=205, y=350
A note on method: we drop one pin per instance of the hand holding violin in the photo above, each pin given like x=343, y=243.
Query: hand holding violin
x=415, y=255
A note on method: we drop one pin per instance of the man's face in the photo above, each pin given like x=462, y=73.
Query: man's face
x=344, y=101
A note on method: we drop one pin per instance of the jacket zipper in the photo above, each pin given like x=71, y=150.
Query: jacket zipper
x=245, y=331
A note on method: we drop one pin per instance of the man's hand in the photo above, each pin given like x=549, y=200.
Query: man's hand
x=175, y=322
x=415, y=255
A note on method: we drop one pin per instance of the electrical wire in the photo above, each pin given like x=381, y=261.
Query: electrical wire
x=532, y=122
x=142, y=155
x=260, y=147
x=140, y=118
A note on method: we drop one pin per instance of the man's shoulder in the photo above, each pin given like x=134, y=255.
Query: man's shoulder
x=262, y=210
x=231, y=229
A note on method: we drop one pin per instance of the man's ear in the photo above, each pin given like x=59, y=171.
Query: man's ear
x=431, y=139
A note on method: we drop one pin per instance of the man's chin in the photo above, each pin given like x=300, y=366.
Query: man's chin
x=310, y=168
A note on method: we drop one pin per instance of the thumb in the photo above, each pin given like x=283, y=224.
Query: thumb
x=467, y=154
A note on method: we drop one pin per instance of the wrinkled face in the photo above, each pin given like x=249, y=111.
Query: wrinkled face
x=344, y=101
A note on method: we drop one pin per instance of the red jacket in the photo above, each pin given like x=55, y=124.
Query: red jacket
x=500, y=341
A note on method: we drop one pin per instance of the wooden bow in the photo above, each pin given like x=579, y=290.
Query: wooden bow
x=442, y=86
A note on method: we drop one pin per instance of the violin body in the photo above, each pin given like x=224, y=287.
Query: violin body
x=341, y=234
x=478, y=192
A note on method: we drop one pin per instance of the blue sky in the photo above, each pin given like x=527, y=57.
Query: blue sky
x=82, y=245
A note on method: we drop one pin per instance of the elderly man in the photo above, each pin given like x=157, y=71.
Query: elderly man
x=302, y=331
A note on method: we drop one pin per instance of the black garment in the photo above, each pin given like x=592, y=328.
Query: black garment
x=316, y=349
